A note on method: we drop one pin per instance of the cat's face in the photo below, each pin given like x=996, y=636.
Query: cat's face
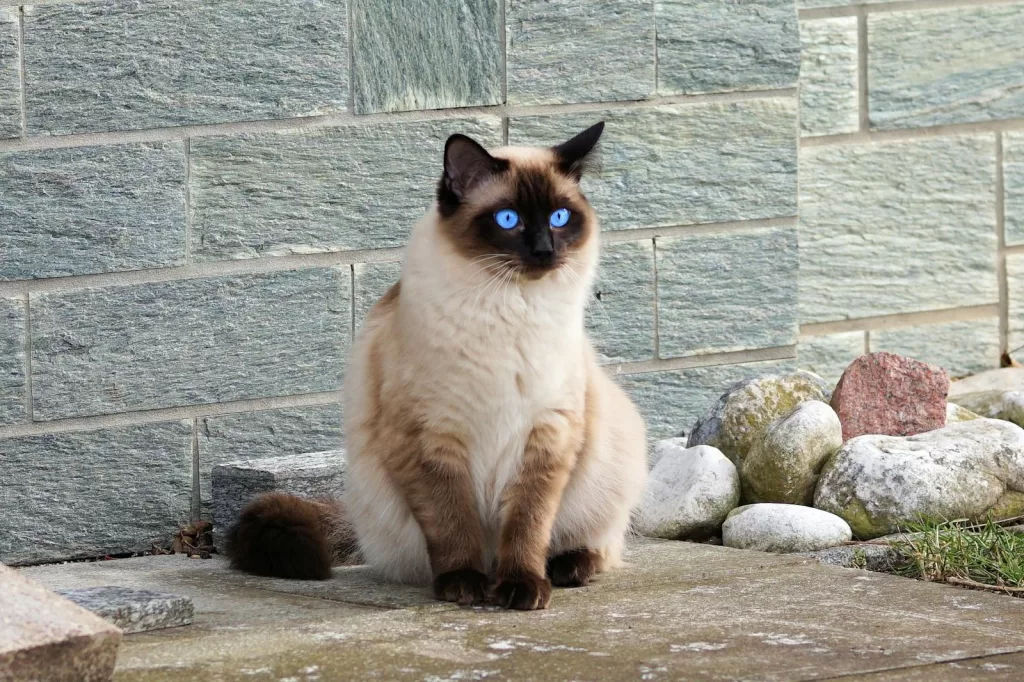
x=522, y=208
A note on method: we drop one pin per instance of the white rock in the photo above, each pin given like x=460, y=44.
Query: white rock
x=881, y=483
x=955, y=413
x=1005, y=405
x=1005, y=379
x=783, y=528
x=663, y=446
x=783, y=466
x=689, y=493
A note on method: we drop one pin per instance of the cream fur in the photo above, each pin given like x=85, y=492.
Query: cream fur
x=456, y=342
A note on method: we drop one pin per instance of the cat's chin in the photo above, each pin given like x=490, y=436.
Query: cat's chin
x=534, y=273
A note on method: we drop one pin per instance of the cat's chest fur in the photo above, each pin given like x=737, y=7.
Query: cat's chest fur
x=499, y=363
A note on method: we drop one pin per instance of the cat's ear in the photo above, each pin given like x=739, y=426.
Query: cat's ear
x=572, y=155
x=467, y=165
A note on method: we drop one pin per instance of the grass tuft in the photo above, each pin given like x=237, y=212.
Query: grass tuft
x=961, y=554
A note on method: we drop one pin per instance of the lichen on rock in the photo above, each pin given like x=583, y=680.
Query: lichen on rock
x=783, y=466
x=740, y=416
x=879, y=484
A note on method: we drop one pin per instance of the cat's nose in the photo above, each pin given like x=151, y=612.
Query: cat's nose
x=543, y=250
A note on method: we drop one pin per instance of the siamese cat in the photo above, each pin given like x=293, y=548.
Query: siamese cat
x=488, y=452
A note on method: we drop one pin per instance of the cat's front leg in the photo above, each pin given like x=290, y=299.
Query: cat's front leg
x=438, y=487
x=530, y=505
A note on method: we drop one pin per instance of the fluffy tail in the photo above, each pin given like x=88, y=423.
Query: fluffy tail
x=285, y=536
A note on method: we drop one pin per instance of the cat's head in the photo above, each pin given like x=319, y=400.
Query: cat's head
x=520, y=206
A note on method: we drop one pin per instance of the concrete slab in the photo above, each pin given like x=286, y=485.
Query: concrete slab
x=679, y=611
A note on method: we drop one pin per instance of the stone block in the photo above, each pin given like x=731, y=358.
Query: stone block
x=1013, y=186
x=829, y=103
x=335, y=189
x=620, y=314
x=12, y=360
x=961, y=348
x=828, y=356
x=728, y=291
x=425, y=55
x=133, y=610
x=1015, y=284
x=46, y=637
x=897, y=227
x=671, y=401
x=815, y=4
x=94, y=209
x=711, y=46
x=938, y=67
x=92, y=493
x=685, y=163
x=372, y=280
x=127, y=64
x=189, y=342
x=10, y=76
x=261, y=435
x=311, y=475
x=562, y=51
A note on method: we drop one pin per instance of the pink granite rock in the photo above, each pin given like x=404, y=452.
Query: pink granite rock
x=891, y=395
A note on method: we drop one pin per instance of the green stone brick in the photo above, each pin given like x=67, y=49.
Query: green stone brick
x=896, y=228
x=961, y=348
x=12, y=360
x=336, y=189
x=620, y=316
x=86, y=210
x=940, y=67
x=10, y=76
x=125, y=64
x=829, y=356
x=683, y=164
x=425, y=55
x=828, y=76
x=93, y=493
x=563, y=51
x=271, y=433
x=727, y=292
x=1013, y=186
x=372, y=280
x=189, y=342
x=671, y=401
x=714, y=46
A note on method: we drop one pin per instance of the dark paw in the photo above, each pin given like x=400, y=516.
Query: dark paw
x=523, y=592
x=464, y=586
x=573, y=569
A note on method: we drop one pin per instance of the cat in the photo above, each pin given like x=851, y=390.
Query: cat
x=489, y=454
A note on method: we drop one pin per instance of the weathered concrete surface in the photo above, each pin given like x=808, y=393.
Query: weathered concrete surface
x=678, y=611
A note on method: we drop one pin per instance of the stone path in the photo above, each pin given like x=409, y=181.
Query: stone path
x=679, y=612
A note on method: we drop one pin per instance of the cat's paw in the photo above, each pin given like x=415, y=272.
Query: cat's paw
x=574, y=568
x=464, y=586
x=525, y=592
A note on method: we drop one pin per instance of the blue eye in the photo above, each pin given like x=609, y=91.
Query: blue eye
x=506, y=219
x=560, y=217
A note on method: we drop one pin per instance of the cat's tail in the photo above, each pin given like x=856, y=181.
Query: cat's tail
x=285, y=536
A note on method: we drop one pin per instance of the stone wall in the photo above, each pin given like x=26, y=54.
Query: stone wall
x=911, y=182
x=200, y=200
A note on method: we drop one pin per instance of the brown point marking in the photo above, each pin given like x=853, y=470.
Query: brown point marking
x=531, y=501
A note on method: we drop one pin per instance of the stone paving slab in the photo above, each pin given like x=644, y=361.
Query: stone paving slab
x=678, y=611
x=133, y=610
